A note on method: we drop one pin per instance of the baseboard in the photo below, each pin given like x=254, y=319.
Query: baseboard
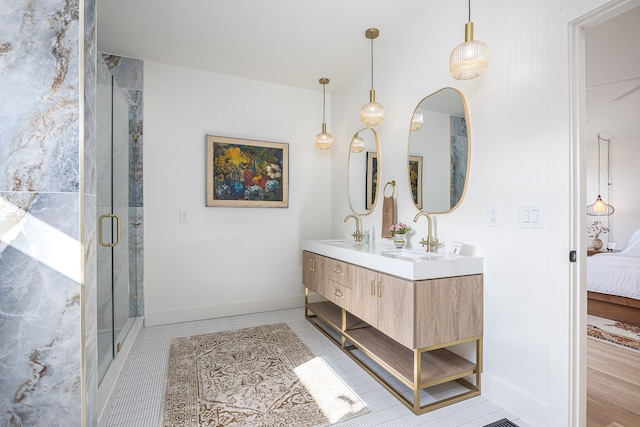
x=522, y=405
x=155, y=318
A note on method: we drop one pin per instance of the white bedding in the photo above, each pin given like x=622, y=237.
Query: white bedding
x=616, y=273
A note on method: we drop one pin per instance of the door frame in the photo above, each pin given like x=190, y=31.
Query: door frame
x=577, y=87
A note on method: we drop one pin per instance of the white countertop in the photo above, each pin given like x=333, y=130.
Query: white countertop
x=405, y=263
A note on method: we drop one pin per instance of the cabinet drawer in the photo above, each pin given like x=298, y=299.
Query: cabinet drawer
x=339, y=295
x=341, y=272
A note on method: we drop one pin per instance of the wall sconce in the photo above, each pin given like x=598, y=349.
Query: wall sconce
x=324, y=140
x=417, y=120
x=357, y=144
x=372, y=113
x=600, y=208
x=469, y=59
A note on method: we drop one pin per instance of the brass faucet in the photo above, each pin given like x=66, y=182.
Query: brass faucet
x=357, y=235
x=432, y=244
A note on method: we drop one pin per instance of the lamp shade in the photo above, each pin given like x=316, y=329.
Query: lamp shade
x=417, y=121
x=469, y=59
x=324, y=140
x=357, y=144
x=599, y=208
x=372, y=113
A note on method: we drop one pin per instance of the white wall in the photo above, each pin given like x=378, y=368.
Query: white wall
x=226, y=261
x=624, y=178
x=521, y=154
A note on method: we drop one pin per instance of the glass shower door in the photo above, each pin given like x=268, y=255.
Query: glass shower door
x=112, y=199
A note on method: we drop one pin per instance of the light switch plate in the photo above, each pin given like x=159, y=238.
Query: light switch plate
x=531, y=216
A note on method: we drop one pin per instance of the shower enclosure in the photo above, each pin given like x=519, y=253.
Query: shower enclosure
x=116, y=294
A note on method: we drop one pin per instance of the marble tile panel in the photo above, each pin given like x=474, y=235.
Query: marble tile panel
x=40, y=98
x=40, y=309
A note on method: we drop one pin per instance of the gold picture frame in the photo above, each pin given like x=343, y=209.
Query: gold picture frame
x=247, y=173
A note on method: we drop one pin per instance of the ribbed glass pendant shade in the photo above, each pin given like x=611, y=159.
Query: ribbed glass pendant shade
x=469, y=59
x=372, y=113
x=600, y=208
x=324, y=140
x=417, y=121
x=357, y=144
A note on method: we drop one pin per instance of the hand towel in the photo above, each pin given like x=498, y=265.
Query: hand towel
x=388, y=214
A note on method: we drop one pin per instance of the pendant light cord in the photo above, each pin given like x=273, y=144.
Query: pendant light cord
x=469, y=11
x=599, y=193
x=324, y=100
x=372, y=63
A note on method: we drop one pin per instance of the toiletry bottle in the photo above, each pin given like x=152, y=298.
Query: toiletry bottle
x=366, y=237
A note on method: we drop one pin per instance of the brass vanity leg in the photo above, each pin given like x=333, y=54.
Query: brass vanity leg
x=417, y=374
x=343, y=328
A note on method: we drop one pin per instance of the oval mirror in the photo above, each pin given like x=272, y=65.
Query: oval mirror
x=363, y=171
x=439, y=149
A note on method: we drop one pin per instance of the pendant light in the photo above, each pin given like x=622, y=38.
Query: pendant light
x=324, y=140
x=417, y=120
x=357, y=144
x=600, y=208
x=471, y=58
x=372, y=113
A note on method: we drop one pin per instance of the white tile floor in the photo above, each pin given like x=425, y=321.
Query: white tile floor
x=138, y=398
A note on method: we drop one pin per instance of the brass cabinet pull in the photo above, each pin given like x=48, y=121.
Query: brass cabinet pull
x=338, y=271
x=373, y=287
x=338, y=293
x=379, y=289
x=312, y=264
x=100, y=241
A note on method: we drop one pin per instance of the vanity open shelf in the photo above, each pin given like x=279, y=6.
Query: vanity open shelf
x=398, y=328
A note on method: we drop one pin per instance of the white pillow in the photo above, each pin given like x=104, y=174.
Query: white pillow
x=633, y=247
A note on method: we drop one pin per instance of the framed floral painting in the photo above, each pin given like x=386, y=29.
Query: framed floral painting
x=247, y=173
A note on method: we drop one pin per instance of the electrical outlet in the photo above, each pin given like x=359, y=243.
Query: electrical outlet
x=493, y=219
x=184, y=216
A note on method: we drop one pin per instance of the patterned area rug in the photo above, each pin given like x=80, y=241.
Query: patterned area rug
x=260, y=376
x=621, y=334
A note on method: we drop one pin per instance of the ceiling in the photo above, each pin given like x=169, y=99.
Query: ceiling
x=613, y=76
x=295, y=42
x=289, y=42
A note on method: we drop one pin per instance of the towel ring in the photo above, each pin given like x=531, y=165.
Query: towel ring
x=393, y=185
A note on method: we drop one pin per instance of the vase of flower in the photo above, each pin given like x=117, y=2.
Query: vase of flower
x=596, y=244
x=399, y=241
x=594, y=231
x=399, y=231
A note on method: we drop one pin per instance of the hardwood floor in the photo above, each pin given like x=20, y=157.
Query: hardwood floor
x=613, y=386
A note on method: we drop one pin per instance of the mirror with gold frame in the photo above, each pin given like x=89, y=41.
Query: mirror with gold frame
x=364, y=167
x=439, y=151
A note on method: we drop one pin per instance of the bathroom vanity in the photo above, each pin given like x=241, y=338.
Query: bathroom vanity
x=399, y=314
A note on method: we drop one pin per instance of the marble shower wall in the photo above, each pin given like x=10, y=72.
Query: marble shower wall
x=128, y=73
x=44, y=286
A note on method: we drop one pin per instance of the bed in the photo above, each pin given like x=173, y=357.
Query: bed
x=613, y=283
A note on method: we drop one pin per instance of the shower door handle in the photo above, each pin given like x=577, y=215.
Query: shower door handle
x=117, y=242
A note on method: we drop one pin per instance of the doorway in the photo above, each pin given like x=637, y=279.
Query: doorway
x=583, y=133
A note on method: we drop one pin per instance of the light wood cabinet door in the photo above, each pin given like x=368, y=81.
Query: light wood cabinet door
x=314, y=273
x=396, y=309
x=365, y=295
x=450, y=309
